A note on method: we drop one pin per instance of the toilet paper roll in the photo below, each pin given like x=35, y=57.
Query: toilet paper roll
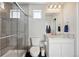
x=42, y=52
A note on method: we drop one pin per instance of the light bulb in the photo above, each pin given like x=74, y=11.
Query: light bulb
x=59, y=6
x=55, y=6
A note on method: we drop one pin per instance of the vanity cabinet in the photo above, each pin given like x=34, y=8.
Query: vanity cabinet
x=61, y=47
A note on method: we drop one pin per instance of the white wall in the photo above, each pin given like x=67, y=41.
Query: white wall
x=77, y=31
x=36, y=26
x=69, y=15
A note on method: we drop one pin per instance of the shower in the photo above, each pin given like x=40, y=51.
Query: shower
x=13, y=30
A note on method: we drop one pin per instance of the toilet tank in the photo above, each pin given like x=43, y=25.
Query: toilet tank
x=35, y=41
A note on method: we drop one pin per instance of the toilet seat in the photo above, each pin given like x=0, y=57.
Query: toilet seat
x=34, y=51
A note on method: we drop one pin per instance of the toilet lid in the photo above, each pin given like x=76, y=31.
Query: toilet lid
x=34, y=51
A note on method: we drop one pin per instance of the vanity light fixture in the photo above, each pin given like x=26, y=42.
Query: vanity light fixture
x=54, y=6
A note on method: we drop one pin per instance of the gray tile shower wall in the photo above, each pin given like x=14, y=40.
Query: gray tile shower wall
x=5, y=28
x=13, y=31
x=3, y=43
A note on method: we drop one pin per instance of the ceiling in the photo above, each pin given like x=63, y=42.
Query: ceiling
x=41, y=3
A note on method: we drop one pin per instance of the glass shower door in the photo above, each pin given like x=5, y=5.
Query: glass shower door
x=13, y=33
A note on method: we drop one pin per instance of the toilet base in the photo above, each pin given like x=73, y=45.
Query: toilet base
x=29, y=55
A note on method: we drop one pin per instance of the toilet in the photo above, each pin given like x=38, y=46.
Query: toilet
x=34, y=51
x=35, y=48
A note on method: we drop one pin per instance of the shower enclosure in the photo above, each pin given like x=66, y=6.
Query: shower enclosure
x=13, y=31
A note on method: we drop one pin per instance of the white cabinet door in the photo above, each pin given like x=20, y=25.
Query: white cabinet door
x=68, y=50
x=54, y=50
x=61, y=48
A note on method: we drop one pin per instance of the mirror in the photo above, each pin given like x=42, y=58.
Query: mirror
x=55, y=22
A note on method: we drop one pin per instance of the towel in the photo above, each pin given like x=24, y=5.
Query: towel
x=66, y=28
